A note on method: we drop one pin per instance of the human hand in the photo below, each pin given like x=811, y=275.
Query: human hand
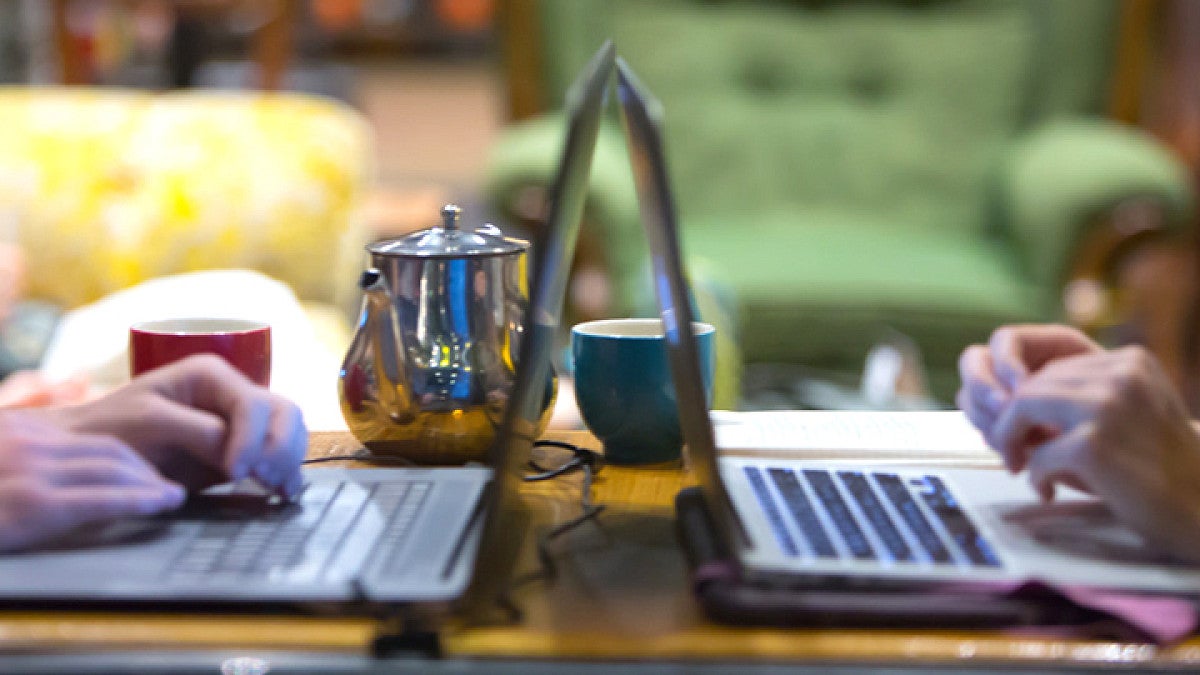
x=990, y=373
x=27, y=388
x=1121, y=432
x=201, y=422
x=52, y=481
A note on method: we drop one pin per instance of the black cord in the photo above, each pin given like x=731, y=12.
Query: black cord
x=583, y=460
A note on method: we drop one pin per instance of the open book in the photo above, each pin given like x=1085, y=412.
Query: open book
x=940, y=437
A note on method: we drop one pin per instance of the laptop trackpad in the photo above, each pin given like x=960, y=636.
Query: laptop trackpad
x=1083, y=529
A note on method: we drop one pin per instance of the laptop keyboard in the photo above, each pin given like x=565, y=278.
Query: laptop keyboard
x=869, y=516
x=303, y=545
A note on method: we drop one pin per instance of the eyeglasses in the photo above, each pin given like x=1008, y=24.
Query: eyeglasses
x=555, y=458
x=551, y=460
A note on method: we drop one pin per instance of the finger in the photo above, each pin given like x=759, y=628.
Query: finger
x=1018, y=351
x=1076, y=381
x=979, y=379
x=1038, y=411
x=980, y=419
x=73, y=506
x=1064, y=460
x=283, y=451
x=65, y=446
x=247, y=436
x=981, y=396
x=1035, y=437
x=210, y=383
x=198, y=434
x=99, y=471
x=24, y=388
x=964, y=403
x=1008, y=361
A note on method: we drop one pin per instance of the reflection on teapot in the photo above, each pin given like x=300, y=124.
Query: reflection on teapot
x=429, y=370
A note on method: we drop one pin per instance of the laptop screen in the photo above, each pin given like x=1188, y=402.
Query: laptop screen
x=641, y=116
x=554, y=252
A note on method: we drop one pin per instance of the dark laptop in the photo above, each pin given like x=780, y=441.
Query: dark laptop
x=395, y=535
x=807, y=524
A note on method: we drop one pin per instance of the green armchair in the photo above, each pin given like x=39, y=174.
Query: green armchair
x=845, y=168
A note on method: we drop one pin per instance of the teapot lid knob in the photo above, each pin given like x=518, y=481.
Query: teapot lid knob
x=450, y=215
x=448, y=239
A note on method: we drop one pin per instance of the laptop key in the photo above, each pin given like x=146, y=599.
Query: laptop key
x=843, y=519
x=893, y=486
x=399, y=526
x=246, y=547
x=774, y=517
x=324, y=539
x=964, y=533
x=803, y=512
x=860, y=489
x=284, y=548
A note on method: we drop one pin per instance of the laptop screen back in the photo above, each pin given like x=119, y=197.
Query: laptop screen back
x=641, y=116
x=554, y=252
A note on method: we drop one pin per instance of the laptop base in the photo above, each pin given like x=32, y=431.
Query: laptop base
x=727, y=598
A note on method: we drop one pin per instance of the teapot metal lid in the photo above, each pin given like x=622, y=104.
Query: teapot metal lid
x=450, y=241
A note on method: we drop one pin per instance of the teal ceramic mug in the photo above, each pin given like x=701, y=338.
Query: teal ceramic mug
x=624, y=389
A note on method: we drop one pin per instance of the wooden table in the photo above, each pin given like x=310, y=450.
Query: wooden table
x=621, y=593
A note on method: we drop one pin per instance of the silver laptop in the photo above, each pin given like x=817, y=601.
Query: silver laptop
x=396, y=535
x=808, y=523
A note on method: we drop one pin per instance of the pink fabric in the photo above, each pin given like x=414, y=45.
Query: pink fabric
x=1119, y=615
x=1161, y=619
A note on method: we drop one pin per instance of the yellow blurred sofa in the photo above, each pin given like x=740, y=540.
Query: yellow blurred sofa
x=105, y=188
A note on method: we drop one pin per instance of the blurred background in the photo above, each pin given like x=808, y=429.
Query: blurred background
x=865, y=186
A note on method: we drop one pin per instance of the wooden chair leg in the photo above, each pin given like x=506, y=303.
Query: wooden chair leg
x=272, y=49
x=73, y=67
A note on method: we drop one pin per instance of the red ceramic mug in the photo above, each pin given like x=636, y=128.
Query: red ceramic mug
x=245, y=344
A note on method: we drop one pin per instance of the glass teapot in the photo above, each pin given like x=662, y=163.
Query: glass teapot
x=432, y=361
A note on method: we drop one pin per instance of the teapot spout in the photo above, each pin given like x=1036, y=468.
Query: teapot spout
x=372, y=282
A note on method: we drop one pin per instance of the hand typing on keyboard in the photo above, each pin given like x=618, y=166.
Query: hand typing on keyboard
x=1108, y=422
x=185, y=426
